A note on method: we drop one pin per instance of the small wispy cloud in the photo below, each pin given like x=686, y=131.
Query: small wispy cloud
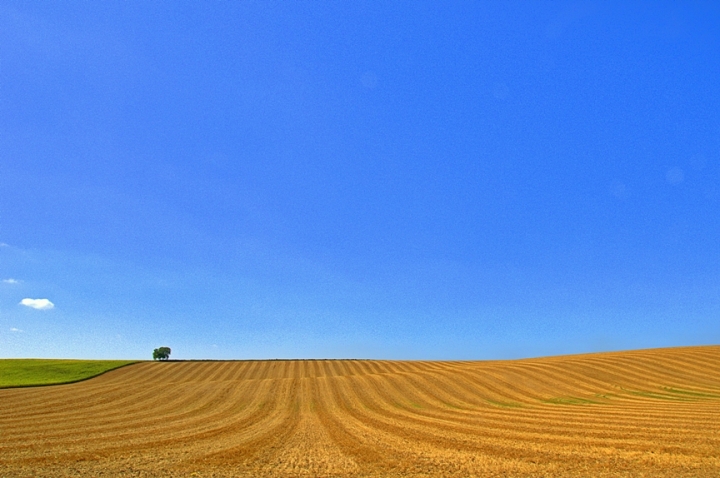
x=11, y=281
x=2, y=244
x=39, y=304
x=14, y=329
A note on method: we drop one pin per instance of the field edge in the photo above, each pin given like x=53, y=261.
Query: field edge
x=74, y=380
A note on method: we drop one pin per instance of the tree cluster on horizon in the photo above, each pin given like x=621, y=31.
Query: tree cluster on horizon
x=161, y=353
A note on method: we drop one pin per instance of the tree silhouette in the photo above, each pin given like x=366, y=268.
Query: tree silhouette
x=162, y=353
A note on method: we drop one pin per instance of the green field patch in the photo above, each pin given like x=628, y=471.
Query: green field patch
x=569, y=401
x=498, y=403
x=690, y=393
x=36, y=372
x=606, y=396
x=659, y=396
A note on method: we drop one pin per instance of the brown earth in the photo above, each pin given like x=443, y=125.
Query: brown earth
x=651, y=413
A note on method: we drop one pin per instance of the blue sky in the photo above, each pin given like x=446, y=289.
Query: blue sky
x=406, y=180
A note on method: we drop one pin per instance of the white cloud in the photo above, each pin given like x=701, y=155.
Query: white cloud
x=2, y=244
x=39, y=304
x=11, y=281
x=13, y=329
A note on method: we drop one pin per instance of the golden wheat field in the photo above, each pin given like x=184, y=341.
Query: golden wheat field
x=640, y=413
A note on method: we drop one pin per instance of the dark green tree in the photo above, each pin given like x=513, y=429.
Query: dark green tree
x=162, y=353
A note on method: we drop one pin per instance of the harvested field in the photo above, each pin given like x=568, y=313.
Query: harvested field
x=641, y=413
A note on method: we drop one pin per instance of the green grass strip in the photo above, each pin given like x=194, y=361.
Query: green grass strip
x=569, y=401
x=692, y=393
x=36, y=372
x=498, y=403
x=661, y=396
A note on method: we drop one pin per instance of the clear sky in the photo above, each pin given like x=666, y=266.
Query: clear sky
x=405, y=180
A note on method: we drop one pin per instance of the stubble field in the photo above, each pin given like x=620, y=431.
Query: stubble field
x=648, y=413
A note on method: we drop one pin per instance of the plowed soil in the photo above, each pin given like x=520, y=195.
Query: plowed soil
x=651, y=413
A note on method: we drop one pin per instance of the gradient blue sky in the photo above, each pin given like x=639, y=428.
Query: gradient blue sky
x=408, y=180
